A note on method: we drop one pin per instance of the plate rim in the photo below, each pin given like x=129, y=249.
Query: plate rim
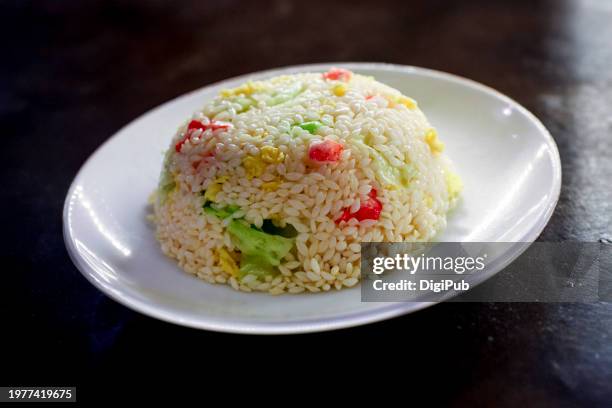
x=392, y=310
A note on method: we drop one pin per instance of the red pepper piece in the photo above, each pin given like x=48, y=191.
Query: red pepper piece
x=196, y=124
x=369, y=210
x=326, y=151
x=346, y=215
x=338, y=74
x=180, y=144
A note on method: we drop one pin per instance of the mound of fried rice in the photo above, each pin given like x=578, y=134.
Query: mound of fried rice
x=273, y=185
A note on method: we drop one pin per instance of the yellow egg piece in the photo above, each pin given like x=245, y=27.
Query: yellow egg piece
x=270, y=186
x=407, y=102
x=246, y=89
x=227, y=263
x=211, y=192
x=431, y=138
x=339, y=90
x=214, y=188
x=272, y=155
x=254, y=166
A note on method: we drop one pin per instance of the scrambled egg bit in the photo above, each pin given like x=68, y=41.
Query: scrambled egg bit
x=401, y=100
x=270, y=186
x=272, y=155
x=214, y=188
x=431, y=138
x=227, y=263
x=407, y=102
x=254, y=166
x=246, y=89
x=339, y=90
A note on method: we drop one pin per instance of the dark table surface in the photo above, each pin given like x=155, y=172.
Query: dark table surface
x=73, y=73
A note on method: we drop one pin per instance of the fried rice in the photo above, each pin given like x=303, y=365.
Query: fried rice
x=273, y=185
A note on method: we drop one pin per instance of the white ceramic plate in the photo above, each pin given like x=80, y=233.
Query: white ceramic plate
x=507, y=159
